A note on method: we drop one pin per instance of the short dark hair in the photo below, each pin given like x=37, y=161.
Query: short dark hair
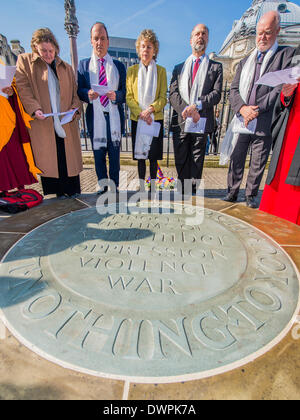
x=103, y=26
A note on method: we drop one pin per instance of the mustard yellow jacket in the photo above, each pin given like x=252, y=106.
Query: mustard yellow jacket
x=132, y=93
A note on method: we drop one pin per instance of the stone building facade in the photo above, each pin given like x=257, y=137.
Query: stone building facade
x=241, y=39
x=9, y=53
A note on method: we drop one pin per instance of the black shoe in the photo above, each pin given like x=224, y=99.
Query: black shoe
x=230, y=198
x=101, y=192
x=251, y=202
x=61, y=196
x=74, y=196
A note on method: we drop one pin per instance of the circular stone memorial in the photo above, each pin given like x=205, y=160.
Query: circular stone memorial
x=148, y=297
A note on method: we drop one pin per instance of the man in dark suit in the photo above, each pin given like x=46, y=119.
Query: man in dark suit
x=256, y=104
x=106, y=72
x=189, y=148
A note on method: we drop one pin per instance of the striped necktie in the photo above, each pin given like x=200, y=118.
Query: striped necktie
x=103, y=82
x=253, y=90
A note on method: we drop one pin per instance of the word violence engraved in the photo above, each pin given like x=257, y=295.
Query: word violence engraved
x=148, y=297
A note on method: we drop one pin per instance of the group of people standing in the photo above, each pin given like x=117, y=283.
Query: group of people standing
x=46, y=84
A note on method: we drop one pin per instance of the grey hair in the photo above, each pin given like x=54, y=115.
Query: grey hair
x=278, y=20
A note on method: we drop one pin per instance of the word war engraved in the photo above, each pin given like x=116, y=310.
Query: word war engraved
x=148, y=296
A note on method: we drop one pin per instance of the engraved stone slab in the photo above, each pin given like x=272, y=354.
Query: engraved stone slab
x=148, y=297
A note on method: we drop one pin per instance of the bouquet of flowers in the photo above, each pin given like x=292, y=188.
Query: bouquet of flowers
x=162, y=183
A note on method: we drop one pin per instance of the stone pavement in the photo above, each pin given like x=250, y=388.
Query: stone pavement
x=215, y=180
x=24, y=375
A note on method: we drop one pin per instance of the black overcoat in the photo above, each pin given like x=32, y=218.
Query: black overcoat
x=280, y=120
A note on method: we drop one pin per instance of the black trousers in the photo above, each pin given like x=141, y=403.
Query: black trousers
x=260, y=150
x=214, y=141
x=155, y=153
x=65, y=184
x=189, y=150
x=142, y=169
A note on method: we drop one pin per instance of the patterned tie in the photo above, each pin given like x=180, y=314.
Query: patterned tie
x=103, y=82
x=252, y=96
x=196, y=67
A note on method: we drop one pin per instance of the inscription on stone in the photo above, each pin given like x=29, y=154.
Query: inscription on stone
x=131, y=295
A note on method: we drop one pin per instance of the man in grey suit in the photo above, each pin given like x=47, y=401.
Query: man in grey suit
x=196, y=87
x=256, y=107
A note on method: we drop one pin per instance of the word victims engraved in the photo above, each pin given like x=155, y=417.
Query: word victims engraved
x=147, y=296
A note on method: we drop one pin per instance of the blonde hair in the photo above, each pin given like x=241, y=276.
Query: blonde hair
x=148, y=35
x=43, y=35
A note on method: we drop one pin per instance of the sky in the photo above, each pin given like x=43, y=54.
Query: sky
x=172, y=20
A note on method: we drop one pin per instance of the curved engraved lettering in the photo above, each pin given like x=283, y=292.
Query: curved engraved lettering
x=214, y=335
x=263, y=299
x=42, y=306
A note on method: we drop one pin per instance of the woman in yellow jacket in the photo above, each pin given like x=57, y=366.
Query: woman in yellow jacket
x=146, y=98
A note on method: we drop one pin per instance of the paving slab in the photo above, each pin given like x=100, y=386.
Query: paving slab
x=7, y=240
x=283, y=232
x=24, y=222
x=27, y=376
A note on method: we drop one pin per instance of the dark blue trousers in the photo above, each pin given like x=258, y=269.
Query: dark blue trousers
x=113, y=156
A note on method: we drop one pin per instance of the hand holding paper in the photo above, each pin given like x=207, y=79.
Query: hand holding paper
x=101, y=90
x=196, y=128
x=287, y=76
x=67, y=116
x=8, y=91
x=288, y=90
x=152, y=130
x=240, y=128
x=7, y=74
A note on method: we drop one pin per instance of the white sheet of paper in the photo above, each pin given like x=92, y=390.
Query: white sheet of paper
x=287, y=76
x=68, y=117
x=101, y=90
x=239, y=126
x=152, y=130
x=198, y=128
x=59, y=114
x=7, y=74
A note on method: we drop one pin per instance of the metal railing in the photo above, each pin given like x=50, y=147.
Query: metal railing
x=224, y=109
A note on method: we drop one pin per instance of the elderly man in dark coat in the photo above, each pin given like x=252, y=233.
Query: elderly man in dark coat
x=253, y=105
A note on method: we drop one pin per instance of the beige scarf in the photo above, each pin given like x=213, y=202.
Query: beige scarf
x=147, y=86
x=54, y=92
x=100, y=132
x=197, y=88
